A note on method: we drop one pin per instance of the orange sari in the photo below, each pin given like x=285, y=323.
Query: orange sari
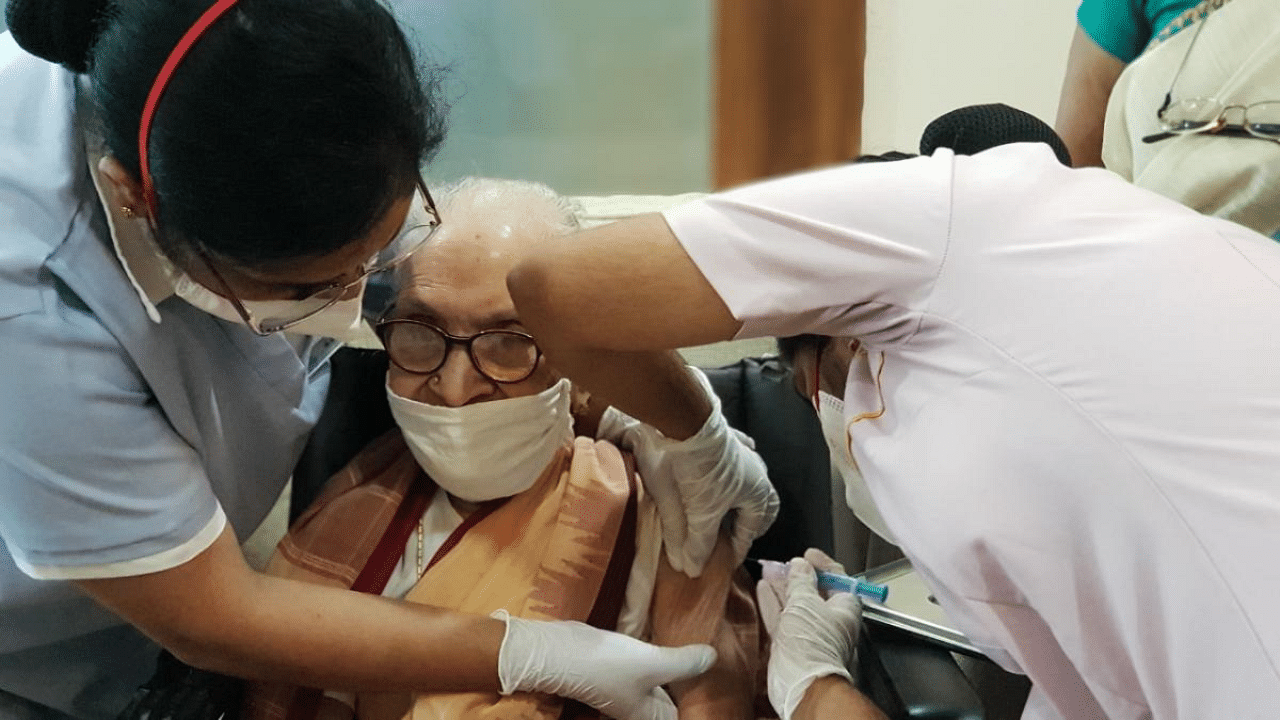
x=561, y=550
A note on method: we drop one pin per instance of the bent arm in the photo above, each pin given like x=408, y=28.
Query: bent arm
x=216, y=613
x=1082, y=106
x=607, y=303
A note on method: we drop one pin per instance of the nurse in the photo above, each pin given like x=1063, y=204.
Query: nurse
x=1061, y=390
x=179, y=230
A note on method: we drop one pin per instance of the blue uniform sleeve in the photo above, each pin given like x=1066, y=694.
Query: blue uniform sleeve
x=1118, y=26
x=94, y=481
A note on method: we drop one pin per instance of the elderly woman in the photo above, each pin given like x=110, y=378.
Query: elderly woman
x=483, y=500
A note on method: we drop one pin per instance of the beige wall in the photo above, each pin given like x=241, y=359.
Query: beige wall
x=926, y=57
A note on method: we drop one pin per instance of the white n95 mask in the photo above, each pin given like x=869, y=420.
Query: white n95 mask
x=834, y=430
x=486, y=450
x=340, y=320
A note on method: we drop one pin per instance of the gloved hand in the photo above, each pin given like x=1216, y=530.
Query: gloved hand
x=618, y=675
x=771, y=591
x=696, y=483
x=811, y=637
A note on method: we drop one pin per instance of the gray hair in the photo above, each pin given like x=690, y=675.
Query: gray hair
x=534, y=200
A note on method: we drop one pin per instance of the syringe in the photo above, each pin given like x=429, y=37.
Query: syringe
x=831, y=582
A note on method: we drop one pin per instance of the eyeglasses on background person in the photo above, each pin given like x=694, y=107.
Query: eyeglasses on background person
x=1209, y=114
x=502, y=356
x=419, y=225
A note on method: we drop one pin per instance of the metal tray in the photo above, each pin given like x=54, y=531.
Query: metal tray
x=910, y=607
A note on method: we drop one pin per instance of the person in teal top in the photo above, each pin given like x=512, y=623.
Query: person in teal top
x=1109, y=35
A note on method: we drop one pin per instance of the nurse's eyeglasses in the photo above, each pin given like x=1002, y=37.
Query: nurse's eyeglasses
x=419, y=225
x=417, y=346
x=1209, y=115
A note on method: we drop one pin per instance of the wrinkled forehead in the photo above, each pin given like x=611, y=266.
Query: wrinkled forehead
x=473, y=258
x=461, y=281
x=485, y=229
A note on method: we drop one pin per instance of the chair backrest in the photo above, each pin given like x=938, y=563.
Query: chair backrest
x=355, y=412
x=758, y=397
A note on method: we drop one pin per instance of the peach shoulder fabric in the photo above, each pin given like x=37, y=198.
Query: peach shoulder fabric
x=544, y=554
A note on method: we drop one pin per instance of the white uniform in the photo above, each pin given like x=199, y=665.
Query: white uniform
x=1080, y=448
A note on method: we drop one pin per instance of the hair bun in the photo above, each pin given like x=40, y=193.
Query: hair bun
x=970, y=130
x=60, y=31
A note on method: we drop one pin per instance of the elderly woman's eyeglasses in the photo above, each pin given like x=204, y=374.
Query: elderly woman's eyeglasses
x=419, y=225
x=416, y=346
x=1209, y=115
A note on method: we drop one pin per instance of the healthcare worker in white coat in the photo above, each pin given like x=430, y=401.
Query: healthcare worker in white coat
x=183, y=229
x=1062, y=392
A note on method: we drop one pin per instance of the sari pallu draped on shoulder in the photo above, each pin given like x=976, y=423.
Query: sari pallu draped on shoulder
x=1235, y=60
x=562, y=550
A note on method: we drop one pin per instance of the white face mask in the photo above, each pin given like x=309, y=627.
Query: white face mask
x=340, y=320
x=486, y=450
x=834, y=430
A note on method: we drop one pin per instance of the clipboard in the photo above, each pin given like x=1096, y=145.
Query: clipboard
x=910, y=608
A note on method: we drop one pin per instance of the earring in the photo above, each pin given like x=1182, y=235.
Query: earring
x=128, y=211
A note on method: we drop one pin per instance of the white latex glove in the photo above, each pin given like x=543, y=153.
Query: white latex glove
x=617, y=675
x=810, y=637
x=771, y=591
x=696, y=483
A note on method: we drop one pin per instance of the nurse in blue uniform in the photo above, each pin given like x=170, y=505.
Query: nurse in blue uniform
x=193, y=195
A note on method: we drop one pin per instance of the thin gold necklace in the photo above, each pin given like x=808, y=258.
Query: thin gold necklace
x=420, y=562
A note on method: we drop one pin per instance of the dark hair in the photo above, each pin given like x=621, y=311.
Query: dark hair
x=59, y=32
x=288, y=130
x=889, y=156
x=790, y=346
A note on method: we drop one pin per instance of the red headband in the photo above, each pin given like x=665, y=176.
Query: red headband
x=209, y=17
